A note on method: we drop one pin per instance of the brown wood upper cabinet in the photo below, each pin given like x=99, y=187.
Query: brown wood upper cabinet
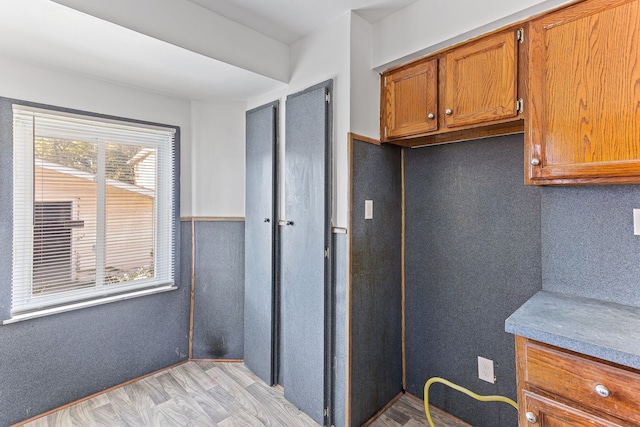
x=481, y=81
x=468, y=86
x=410, y=100
x=584, y=101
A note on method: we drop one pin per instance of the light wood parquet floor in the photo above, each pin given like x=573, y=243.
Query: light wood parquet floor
x=192, y=394
x=211, y=394
x=408, y=411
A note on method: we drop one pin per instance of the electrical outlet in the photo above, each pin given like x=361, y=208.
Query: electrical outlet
x=485, y=370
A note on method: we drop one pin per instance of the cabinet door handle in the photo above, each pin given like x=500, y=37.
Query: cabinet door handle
x=602, y=391
x=531, y=417
x=448, y=112
x=267, y=220
x=431, y=116
x=289, y=223
x=535, y=162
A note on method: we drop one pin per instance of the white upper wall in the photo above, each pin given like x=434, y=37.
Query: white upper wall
x=365, y=83
x=218, y=158
x=320, y=56
x=36, y=84
x=427, y=26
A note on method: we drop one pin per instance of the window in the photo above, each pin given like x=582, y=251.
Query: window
x=93, y=208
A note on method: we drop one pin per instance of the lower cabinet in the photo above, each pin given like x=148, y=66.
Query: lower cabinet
x=541, y=411
x=557, y=388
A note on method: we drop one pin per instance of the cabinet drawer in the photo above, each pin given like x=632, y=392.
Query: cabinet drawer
x=578, y=379
x=550, y=413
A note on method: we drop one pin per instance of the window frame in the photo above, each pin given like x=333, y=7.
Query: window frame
x=78, y=299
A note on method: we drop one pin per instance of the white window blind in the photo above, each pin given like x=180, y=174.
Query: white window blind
x=93, y=208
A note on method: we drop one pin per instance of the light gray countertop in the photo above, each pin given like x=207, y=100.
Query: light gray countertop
x=605, y=330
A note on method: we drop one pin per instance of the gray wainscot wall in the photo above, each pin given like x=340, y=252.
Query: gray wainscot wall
x=473, y=254
x=218, y=317
x=376, y=322
x=340, y=333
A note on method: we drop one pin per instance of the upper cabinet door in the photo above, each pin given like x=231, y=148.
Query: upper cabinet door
x=410, y=97
x=481, y=80
x=584, y=96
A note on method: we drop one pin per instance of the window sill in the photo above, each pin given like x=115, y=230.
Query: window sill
x=85, y=304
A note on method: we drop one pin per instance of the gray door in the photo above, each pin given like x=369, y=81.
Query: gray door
x=306, y=291
x=260, y=238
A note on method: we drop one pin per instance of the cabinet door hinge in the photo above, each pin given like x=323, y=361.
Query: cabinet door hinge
x=520, y=106
x=327, y=97
x=385, y=132
x=520, y=35
x=385, y=81
x=326, y=252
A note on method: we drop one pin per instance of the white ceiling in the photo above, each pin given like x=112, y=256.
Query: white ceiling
x=46, y=33
x=289, y=20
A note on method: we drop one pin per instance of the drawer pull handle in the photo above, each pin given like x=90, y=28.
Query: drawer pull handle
x=531, y=417
x=602, y=391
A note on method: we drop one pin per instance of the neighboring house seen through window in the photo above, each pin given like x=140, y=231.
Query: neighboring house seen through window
x=53, y=246
x=93, y=208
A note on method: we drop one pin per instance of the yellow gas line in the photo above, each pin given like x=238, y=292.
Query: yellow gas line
x=463, y=390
